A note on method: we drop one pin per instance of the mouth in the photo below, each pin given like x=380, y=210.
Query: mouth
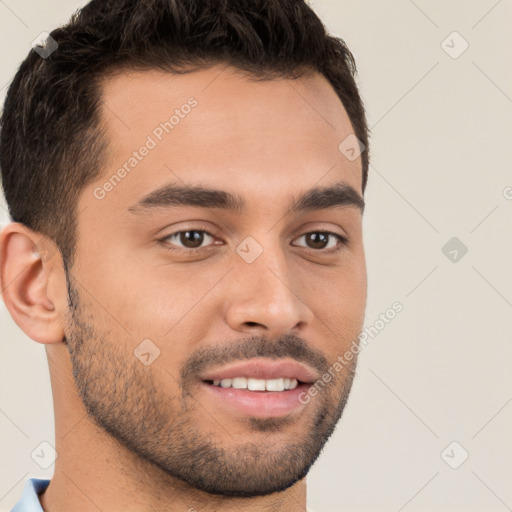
x=256, y=403
x=262, y=374
x=257, y=385
x=260, y=388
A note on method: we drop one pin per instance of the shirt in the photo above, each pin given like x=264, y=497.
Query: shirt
x=29, y=501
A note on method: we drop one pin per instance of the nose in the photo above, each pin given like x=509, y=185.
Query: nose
x=265, y=299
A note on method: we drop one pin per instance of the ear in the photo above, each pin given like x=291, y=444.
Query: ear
x=32, y=280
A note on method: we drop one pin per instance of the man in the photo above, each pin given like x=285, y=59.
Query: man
x=185, y=181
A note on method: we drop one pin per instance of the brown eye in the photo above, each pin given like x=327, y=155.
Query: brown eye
x=189, y=239
x=317, y=240
x=321, y=240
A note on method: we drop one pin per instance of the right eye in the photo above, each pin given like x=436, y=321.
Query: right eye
x=191, y=239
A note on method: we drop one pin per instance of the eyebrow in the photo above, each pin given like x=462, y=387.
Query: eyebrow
x=171, y=195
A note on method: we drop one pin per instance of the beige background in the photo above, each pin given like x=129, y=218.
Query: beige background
x=440, y=371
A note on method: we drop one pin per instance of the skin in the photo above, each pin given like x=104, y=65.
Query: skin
x=126, y=432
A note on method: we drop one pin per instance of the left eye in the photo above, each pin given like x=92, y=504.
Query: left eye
x=321, y=240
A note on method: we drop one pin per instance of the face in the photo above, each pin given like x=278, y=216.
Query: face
x=229, y=248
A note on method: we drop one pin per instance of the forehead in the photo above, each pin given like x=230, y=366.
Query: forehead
x=218, y=127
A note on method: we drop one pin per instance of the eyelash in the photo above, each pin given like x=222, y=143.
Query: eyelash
x=343, y=241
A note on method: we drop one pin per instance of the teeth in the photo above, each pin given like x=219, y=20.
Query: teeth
x=255, y=384
x=251, y=384
x=239, y=383
x=275, y=385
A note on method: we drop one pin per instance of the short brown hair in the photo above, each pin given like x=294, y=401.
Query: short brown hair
x=51, y=145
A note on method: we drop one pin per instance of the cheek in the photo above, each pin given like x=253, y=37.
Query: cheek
x=340, y=291
x=346, y=307
x=338, y=300
x=169, y=305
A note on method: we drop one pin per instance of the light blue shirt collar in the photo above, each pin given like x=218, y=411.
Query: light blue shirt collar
x=29, y=501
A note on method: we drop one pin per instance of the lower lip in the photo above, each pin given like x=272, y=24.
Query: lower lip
x=260, y=404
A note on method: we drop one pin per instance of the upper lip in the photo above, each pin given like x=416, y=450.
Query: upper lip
x=264, y=369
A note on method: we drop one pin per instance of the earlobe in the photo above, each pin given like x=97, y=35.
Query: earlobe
x=25, y=273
